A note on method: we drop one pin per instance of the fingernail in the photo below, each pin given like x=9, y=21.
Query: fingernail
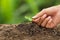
x=50, y=20
x=49, y=17
x=34, y=17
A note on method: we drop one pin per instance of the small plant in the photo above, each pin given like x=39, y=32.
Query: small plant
x=28, y=18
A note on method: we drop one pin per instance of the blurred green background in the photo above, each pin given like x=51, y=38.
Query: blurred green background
x=18, y=11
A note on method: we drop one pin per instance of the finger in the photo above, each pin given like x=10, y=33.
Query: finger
x=45, y=21
x=42, y=18
x=39, y=14
x=49, y=23
x=36, y=20
x=52, y=25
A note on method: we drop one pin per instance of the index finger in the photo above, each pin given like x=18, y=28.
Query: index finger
x=39, y=14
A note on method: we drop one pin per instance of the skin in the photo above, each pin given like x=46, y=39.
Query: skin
x=49, y=17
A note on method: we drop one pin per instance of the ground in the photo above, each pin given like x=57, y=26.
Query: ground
x=28, y=31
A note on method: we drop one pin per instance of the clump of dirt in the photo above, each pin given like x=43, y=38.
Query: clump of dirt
x=28, y=31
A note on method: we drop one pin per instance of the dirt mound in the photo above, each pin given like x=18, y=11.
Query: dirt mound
x=28, y=31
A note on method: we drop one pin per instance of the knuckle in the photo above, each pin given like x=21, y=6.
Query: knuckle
x=43, y=9
x=47, y=19
x=42, y=18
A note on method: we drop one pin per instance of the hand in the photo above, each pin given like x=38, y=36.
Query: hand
x=49, y=17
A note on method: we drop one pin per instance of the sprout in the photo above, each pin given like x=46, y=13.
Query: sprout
x=28, y=18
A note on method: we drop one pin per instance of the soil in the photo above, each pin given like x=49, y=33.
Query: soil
x=28, y=31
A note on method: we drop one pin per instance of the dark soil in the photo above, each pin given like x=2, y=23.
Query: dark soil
x=28, y=31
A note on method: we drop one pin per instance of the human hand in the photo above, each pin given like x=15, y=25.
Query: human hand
x=49, y=17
